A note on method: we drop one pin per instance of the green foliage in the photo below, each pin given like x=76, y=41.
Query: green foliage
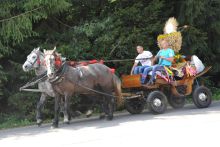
x=24, y=104
x=203, y=36
x=12, y=120
x=26, y=13
x=115, y=35
x=216, y=93
x=3, y=79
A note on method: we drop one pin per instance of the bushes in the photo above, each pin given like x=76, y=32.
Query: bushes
x=215, y=93
x=22, y=105
x=12, y=120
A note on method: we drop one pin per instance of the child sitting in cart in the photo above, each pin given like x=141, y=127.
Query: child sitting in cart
x=165, y=56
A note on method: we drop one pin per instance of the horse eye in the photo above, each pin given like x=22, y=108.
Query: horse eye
x=33, y=57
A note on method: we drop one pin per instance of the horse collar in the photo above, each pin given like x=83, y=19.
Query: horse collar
x=80, y=72
x=59, y=74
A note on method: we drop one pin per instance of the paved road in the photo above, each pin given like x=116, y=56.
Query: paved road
x=188, y=127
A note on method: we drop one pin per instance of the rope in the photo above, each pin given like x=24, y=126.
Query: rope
x=95, y=90
x=121, y=60
x=34, y=81
x=116, y=60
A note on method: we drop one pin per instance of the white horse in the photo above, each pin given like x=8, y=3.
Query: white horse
x=35, y=61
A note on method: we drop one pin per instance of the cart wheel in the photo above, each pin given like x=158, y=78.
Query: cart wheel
x=177, y=102
x=202, y=97
x=134, y=106
x=157, y=102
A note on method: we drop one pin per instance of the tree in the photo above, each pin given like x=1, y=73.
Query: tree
x=202, y=37
x=17, y=24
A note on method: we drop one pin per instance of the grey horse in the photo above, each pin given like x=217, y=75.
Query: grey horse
x=90, y=79
x=35, y=61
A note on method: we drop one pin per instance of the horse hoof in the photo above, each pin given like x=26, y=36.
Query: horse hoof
x=109, y=117
x=54, y=126
x=39, y=122
x=89, y=113
x=66, y=121
x=102, y=116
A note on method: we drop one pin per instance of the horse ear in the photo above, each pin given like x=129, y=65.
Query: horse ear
x=54, y=49
x=37, y=49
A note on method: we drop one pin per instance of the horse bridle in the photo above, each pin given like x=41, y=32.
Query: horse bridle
x=36, y=60
x=49, y=56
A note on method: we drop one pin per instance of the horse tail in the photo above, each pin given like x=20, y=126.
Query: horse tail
x=117, y=89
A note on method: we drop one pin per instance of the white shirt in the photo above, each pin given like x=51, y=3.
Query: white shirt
x=145, y=55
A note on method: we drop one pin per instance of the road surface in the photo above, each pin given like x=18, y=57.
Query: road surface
x=187, y=127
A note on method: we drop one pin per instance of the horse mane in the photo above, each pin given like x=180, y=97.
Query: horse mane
x=58, y=58
x=57, y=54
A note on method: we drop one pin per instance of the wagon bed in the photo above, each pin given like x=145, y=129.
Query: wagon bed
x=155, y=95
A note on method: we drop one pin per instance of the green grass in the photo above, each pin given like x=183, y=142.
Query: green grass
x=215, y=93
x=12, y=121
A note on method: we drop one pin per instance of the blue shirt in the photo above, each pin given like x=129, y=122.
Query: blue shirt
x=168, y=53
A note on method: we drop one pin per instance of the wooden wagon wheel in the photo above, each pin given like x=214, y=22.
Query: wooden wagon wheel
x=134, y=106
x=178, y=101
x=202, y=97
x=157, y=102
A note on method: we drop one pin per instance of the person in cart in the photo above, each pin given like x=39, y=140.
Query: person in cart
x=165, y=57
x=144, y=58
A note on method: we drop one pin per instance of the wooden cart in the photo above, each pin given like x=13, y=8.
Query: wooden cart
x=157, y=96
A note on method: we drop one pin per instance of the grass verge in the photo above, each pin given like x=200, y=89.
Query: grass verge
x=12, y=121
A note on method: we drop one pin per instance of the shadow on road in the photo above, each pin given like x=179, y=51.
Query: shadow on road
x=119, y=118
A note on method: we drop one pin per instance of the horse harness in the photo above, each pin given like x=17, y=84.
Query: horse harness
x=59, y=77
x=61, y=71
x=59, y=74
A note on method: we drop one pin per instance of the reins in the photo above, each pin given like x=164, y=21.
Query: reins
x=44, y=75
x=61, y=72
x=96, y=91
x=34, y=81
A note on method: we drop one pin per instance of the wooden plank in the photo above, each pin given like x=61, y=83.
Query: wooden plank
x=204, y=71
x=128, y=94
x=32, y=90
x=131, y=81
